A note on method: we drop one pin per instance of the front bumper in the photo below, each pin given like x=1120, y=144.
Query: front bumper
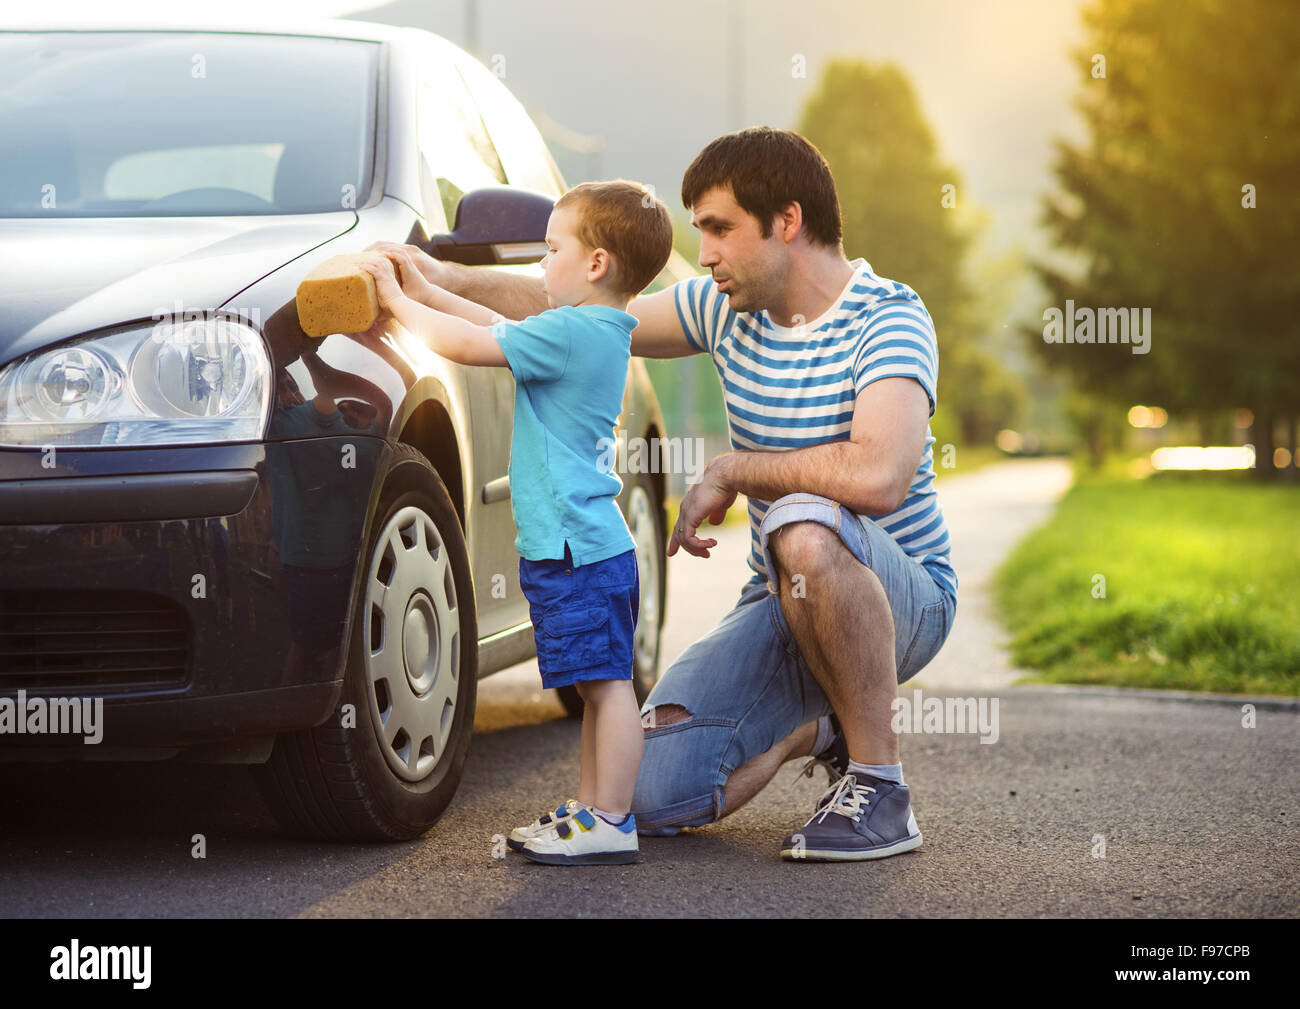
x=164, y=581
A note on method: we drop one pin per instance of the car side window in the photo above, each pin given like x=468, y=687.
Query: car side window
x=524, y=155
x=456, y=152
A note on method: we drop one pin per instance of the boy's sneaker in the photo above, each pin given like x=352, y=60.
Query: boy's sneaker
x=585, y=839
x=861, y=817
x=835, y=758
x=542, y=824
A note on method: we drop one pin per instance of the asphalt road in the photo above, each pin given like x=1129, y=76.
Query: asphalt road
x=1197, y=816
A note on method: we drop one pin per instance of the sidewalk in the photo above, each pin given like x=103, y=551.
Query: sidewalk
x=988, y=513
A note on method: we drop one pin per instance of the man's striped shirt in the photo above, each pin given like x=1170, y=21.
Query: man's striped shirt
x=791, y=388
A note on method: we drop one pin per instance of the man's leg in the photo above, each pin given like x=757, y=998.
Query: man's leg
x=735, y=697
x=840, y=617
x=842, y=620
x=751, y=779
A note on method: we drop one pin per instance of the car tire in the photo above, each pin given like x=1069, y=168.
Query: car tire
x=367, y=778
x=645, y=519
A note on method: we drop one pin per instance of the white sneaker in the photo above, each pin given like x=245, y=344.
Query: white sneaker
x=542, y=824
x=585, y=839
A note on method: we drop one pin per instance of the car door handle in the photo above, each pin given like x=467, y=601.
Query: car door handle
x=496, y=490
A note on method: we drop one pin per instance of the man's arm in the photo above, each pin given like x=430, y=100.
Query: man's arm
x=658, y=331
x=869, y=473
x=417, y=286
x=448, y=336
x=511, y=295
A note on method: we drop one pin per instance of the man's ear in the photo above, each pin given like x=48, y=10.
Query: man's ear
x=789, y=221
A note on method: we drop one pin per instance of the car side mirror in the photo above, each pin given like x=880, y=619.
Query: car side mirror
x=500, y=224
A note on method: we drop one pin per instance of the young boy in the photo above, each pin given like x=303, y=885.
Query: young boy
x=606, y=241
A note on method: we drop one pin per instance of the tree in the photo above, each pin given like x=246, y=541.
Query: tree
x=903, y=210
x=1183, y=200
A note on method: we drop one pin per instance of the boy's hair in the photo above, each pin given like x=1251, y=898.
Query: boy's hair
x=629, y=222
x=766, y=168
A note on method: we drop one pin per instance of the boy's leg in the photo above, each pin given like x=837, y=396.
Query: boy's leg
x=587, y=767
x=612, y=705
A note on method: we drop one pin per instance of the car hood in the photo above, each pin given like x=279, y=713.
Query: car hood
x=62, y=277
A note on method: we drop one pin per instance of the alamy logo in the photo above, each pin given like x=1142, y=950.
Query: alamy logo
x=1105, y=325
x=75, y=962
x=946, y=714
x=654, y=455
x=53, y=716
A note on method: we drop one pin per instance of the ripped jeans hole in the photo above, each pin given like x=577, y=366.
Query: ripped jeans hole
x=664, y=714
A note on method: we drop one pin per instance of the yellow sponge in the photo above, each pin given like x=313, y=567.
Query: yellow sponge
x=338, y=297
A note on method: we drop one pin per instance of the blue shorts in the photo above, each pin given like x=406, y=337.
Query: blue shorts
x=583, y=617
x=745, y=683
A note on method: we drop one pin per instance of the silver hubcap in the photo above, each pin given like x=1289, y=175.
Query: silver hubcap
x=412, y=635
x=641, y=522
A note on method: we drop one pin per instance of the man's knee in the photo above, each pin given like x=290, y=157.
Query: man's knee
x=806, y=548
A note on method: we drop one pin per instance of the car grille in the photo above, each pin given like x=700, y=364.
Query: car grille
x=75, y=641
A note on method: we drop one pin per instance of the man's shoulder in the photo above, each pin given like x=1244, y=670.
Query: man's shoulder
x=870, y=292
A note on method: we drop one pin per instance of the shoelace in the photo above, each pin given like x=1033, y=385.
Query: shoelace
x=809, y=769
x=848, y=798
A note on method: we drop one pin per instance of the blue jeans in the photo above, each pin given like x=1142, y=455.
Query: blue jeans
x=745, y=683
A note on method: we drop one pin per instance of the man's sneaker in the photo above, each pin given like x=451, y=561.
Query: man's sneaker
x=835, y=758
x=585, y=839
x=861, y=817
x=542, y=824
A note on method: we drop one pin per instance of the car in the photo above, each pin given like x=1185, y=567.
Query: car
x=254, y=546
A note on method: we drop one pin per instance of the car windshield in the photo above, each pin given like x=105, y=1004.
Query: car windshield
x=176, y=124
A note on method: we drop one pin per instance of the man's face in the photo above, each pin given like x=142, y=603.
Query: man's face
x=747, y=267
x=566, y=261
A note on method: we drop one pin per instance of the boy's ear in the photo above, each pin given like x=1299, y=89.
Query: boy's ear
x=599, y=265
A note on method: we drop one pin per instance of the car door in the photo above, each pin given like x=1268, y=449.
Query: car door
x=456, y=156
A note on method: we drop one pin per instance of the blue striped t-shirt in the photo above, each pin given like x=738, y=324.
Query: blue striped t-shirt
x=791, y=388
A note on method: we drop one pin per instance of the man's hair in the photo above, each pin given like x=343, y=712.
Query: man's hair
x=766, y=168
x=629, y=222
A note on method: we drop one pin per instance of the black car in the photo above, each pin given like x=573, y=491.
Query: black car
x=257, y=547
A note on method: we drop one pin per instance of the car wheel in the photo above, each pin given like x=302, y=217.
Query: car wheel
x=645, y=520
x=388, y=763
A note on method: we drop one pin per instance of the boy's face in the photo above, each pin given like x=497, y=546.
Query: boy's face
x=567, y=262
x=748, y=268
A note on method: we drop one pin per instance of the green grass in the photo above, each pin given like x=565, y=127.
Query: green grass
x=1202, y=586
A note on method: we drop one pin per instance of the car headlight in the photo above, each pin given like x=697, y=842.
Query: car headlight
x=175, y=382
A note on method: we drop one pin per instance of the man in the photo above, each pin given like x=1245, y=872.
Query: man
x=829, y=375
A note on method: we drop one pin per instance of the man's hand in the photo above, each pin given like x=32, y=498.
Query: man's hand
x=706, y=499
x=432, y=270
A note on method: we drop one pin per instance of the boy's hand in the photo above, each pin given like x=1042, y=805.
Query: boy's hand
x=414, y=283
x=429, y=268
x=388, y=290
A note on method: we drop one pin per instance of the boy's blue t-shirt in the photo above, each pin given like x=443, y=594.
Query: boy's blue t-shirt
x=570, y=367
